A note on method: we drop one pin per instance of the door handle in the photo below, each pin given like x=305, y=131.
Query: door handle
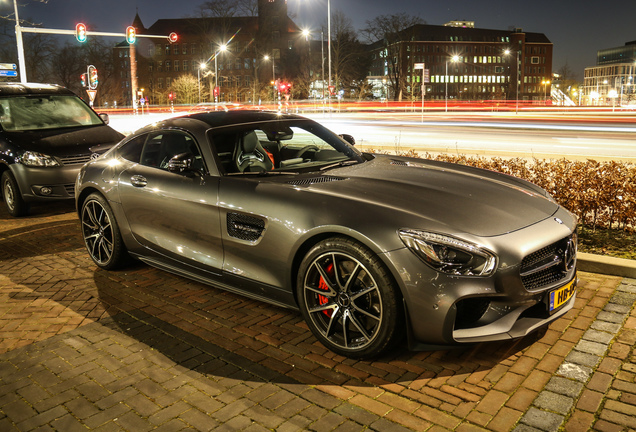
x=138, y=181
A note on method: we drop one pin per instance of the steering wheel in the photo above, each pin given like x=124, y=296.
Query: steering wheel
x=302, y=151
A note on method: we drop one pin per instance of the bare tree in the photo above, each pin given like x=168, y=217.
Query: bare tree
x=228, y=8
x=186, y=88
x=350, y=58
x=393, y=32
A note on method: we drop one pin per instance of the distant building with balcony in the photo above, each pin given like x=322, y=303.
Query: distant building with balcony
x=464, y=63
x=241, y=70
x=613, y=80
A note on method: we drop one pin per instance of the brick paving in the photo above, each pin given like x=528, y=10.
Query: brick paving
x=141, y=349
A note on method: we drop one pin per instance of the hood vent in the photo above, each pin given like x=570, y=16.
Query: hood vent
x=407, y=164
x=314, y=180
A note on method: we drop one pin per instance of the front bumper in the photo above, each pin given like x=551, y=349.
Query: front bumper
x=46, y=183
x=447, y=310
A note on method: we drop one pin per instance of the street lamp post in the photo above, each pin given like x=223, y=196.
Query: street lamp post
x=454, y=59
x=201, y=66
x=545, y=91
x=273, y=77
x=222, y=47
x=507, y=52
x=20, y=46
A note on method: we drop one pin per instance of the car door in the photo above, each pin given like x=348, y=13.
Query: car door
x=173, y=214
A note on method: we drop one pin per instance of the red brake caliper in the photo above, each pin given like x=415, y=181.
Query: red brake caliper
x=323, y=286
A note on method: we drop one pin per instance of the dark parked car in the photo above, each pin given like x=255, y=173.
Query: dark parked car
x=371, y=248
x=46, y=134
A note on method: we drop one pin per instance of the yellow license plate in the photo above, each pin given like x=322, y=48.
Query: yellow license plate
x=560, y=296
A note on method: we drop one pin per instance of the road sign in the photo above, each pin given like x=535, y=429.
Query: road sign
x=417, y=66
x=8, y=66
x=8, y=73
x=91, y=95
x=427, y=75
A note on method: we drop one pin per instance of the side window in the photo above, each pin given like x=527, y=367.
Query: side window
x=163, y=146
x=131, y=151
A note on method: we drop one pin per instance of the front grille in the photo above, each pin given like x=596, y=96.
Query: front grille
x=75, y=160
x=549, y=265
x=314, y=180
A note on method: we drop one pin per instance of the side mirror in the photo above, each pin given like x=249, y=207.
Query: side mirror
x=181, y=163
x=104, y=117
x=348, y=138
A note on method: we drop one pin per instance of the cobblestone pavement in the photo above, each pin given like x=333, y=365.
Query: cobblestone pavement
x=142, y=349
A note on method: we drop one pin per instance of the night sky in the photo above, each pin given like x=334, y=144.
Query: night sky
x=576, y=28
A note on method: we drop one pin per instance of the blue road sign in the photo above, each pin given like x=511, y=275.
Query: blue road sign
x=8, y=73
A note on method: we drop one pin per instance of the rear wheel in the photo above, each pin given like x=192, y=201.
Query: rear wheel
x=15, y=204
x=349, y=299
x=101, y=233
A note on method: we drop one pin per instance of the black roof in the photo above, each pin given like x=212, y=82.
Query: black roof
x=15, y=88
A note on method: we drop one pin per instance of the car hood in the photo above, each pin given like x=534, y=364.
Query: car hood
x=452, y=197
x=66, y=141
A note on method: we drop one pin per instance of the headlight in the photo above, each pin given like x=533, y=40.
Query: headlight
x=448, y=254
x=35, y=159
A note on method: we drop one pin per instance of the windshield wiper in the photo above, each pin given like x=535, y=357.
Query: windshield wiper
x=340, y=164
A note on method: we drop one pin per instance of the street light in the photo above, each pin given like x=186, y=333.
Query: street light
x=20, y=46
x=545, y=90
x=222, y=48
x=201, y=66
x=266, y=58
x=454, y=59
x=507, y=52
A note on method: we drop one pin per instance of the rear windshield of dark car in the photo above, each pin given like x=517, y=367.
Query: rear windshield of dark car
x=24, y=113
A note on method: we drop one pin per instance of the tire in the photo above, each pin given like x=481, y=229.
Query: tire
x=13, y=201
x=101, y=234
x=349, y=300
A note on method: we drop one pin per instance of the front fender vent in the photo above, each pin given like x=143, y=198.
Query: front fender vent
x=244, y=227
x=313, y=180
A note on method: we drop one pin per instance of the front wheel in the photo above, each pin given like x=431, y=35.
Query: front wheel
x=13, y=201
x=348, y=299
x=101, y=233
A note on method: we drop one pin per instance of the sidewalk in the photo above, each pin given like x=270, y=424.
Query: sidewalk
x=142, y=349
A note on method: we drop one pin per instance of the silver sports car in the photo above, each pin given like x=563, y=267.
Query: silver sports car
x=373, y=249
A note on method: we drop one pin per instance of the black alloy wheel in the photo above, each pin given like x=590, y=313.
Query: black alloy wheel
x=101, y=233
x=349, y=299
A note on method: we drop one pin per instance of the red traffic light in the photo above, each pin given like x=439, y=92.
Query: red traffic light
x=131, y=34
x=80, y=32
x=172, y=37
x=170, y=96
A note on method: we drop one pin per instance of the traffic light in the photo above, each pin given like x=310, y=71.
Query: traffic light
x=173, y=37
x=284, y=87
x=83, y=80
x=131, y=35
x=92, y=77
x=80, y=32
x=171, y=96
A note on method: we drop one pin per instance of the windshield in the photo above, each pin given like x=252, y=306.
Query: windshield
x=280, y=146
x=24, y=113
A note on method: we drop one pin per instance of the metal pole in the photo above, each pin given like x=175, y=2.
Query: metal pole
x=216, y=77
x=446, y=81
x=329, y=48
x=517, y=105
x=199, y=81
x=20, y=46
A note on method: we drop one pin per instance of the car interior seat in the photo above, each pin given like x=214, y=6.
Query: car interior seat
x=250, y=155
